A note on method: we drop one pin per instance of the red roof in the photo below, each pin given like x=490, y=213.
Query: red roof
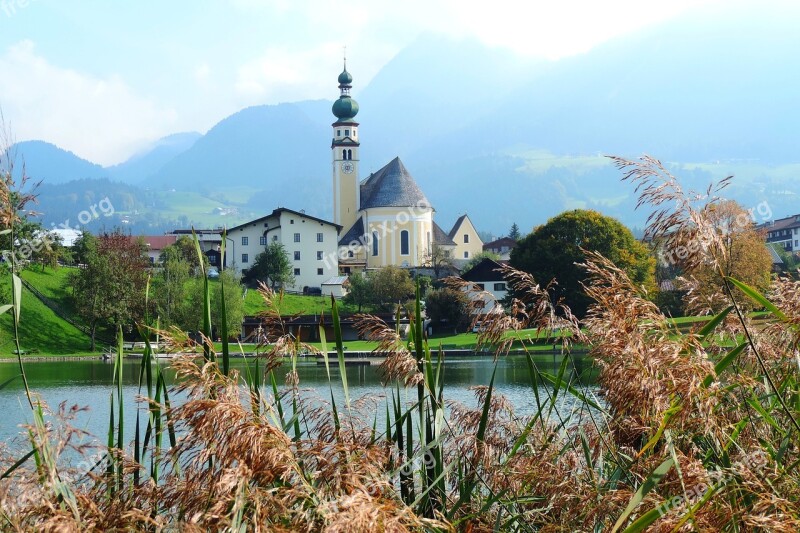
x=158, y=242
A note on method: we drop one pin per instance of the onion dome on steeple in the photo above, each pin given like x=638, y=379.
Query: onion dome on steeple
x=345, y=108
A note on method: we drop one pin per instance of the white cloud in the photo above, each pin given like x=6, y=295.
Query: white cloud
x=100, y=119
x=284, y=74
x=555, y=29
x=202, y=73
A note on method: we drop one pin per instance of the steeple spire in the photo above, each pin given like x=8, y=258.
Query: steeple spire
x=345, y=108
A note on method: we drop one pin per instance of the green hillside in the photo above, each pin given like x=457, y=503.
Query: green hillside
x=41, y=331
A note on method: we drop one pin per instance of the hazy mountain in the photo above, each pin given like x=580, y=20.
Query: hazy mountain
x=278, y=149
x=712, y=87
x=432, y=89
x=149, y=161
x=49, y=163
x=716, y=84
x=508, y=139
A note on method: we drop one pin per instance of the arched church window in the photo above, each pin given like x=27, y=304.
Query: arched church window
x=404, y=242
x=374, y=243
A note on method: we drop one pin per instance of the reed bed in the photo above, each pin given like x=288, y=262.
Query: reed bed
x=693, y=431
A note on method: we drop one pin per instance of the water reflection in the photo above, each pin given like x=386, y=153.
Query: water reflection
x=88, y=383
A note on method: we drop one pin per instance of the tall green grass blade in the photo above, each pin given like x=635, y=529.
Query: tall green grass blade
x=469, y=483
x=16, y=287
x=5, y=308
x=324, y=345
x=136, y=450
x=10, y=470
x=173, y=441
x=10, y=380
x=110, y=446
x=226, y=354
x=121, y=405
x=487, y=403
x=337, y=332
x=277, y=395
x=756, y=404
x=644, y=489
x=118, y=378
x=712, y=324
x=208, y=353
x=572, y=390
x=642, y=523
x=724, y=363
x=758, y=298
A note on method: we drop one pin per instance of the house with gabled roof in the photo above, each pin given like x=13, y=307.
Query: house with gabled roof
x=501, y=247
x=488, y=286
x=468, y=242
x=310, y=244
x=784, y=232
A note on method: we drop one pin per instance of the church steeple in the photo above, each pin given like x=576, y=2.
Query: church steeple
x=345, y=108
x=346, y=190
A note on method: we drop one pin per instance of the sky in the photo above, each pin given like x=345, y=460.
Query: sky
x=104, y=79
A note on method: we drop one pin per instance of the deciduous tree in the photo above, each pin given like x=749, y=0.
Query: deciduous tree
x=739, y=252
x=360, y=292
x=553, y=251
x=448, y=308
x=109, y=289
x=169, y=286
x=272, y=266
x=439, y=259
x=391, y=285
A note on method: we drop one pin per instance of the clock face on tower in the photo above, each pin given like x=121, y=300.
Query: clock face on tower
x=347, y=167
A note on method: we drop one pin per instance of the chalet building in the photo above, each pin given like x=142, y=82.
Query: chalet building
x=209, y=239
x=784, y=232
x=501, y=247
x=310, y=243
x=490, y=286
x=387, y=219
x=155, y=244
x=467, y=242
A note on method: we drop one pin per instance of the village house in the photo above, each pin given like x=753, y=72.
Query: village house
x=488, y=286
x=310, y=243
x=501, y=247
x=784, y=232
x=468, y=243
x=155, y=244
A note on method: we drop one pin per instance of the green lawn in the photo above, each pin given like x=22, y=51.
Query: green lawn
x=41, y=331
x=294, y=304
x=462, y=341
x=51, y=283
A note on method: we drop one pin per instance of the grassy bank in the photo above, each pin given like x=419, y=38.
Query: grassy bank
x=41, y=331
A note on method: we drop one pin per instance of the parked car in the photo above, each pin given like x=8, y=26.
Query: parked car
x=312, y=291
x=213, y=273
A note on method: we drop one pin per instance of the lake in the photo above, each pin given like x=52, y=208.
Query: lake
x=88, y=383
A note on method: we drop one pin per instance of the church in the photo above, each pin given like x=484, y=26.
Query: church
x=386, y=219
